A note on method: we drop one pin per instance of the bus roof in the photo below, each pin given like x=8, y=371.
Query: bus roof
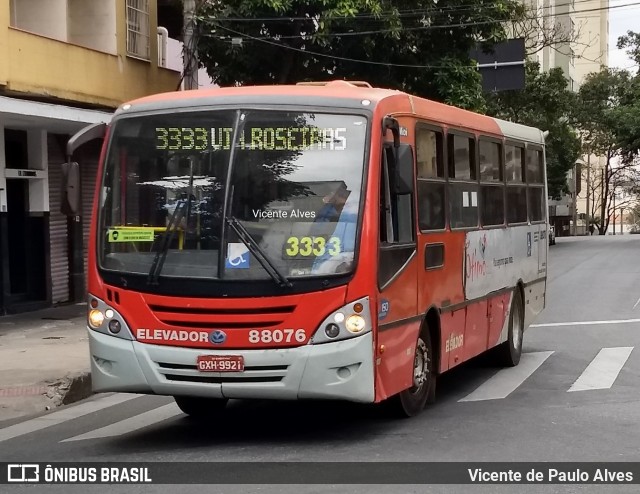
x=343, y=94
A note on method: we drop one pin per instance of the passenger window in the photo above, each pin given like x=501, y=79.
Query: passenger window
x=514, y=163
x=535, y=166
x=516, y=204
x=429, y=153
x=536, y=203
x=463, y=205
x=461, y=158
x=492, y=205
x=431, y=205
x=490, y=161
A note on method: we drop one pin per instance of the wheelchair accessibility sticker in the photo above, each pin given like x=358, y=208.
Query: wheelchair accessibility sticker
x=237, y=256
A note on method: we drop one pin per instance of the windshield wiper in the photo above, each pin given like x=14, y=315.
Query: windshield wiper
x=183, y=208
x=258, y=252
x=179, y=213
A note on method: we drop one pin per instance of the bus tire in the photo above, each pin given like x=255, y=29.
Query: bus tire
x=201, y=408
x=508, y=353
x=412, y=401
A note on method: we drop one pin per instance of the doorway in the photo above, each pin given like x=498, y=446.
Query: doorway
x=25, y=244
x=17, y=218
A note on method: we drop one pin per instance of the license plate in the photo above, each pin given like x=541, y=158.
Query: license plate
x=220, y=363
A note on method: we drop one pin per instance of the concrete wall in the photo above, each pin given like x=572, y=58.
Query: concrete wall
x=36, y=65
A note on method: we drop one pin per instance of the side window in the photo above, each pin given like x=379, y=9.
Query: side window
x=535, y=166
x=516, y=189
x=397, y=227
x=463, y=186
x=514, y=163
x=490, y=161
x=463, y=201
x=431, y=179
x=516, y=204
x=492, y=204
x=431, y=205
x=491, y=188
x=461, y=157
x=429, y=153
x=535, y=187
x=396, y=210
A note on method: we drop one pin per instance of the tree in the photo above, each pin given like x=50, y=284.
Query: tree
x=631, y=41
x=413, y=45
x=605, y=112
x=546, y=103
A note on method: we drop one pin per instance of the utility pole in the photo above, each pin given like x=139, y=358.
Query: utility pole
x=614, y=211
x=588, y=216
x=190, y=53
x=575, y=199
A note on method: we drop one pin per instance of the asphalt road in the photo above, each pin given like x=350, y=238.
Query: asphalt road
x=546, y=409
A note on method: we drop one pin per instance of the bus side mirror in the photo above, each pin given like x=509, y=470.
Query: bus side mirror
x=70, y=204
x=403, y=172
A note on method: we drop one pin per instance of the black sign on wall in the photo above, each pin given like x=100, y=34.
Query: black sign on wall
x=502, y=69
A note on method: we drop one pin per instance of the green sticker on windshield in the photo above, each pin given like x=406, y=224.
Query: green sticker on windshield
x=131, y=235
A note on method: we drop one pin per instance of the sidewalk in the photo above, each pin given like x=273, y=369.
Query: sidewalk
x=44, y=360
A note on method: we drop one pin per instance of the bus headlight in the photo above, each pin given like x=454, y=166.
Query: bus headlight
x=96, y=318
x=354, y=319
x=104, y=319
x=355, y=324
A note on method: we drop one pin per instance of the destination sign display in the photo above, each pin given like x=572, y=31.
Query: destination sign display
x=303, y=138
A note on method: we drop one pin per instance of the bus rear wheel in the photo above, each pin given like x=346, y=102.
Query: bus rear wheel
x=201, y=408
x=412, y=401
x=508, y=353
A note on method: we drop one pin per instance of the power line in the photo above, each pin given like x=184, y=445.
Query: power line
x=416, y=28
x=403, y=13
x=334, y=57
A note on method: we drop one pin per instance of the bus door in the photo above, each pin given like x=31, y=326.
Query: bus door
x=397, y=273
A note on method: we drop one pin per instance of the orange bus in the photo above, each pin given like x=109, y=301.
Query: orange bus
x=317, y=241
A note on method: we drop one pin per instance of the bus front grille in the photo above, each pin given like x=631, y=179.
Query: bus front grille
x=222, y=317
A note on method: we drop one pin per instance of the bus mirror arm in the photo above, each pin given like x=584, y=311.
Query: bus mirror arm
x=390, y=123
x=70, y=203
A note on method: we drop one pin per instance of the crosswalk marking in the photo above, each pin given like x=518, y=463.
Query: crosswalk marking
x=63, y=415
x=585, y=323
x=603, y=370
x=131, y=424
x=507, y=381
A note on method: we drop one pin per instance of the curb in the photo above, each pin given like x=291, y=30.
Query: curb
x=74, y=387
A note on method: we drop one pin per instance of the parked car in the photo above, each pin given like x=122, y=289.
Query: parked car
x=552, y=235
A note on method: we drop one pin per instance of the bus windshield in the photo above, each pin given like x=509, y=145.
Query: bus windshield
x=210, y=194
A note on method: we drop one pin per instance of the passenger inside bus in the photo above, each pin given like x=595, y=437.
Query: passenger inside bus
x=336, y=219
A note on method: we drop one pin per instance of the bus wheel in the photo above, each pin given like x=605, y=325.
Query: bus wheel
x=201, y=408
x=508, y=353
x=410, y=402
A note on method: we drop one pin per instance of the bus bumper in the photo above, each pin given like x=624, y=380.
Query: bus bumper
x=341, y=370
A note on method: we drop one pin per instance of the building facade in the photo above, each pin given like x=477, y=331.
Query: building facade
x=587, y=22
x=64, y=64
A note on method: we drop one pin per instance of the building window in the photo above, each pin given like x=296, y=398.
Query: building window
x=138, y=28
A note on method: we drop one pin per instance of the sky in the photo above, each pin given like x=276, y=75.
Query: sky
x=621, y=20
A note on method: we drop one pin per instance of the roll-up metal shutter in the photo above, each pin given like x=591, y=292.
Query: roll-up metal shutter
x=88, y=173
x=59, y=247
